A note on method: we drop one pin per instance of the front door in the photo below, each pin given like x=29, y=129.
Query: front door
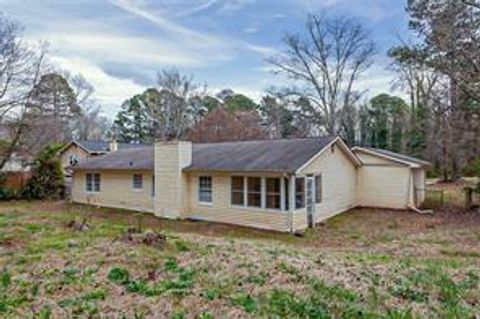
x=310, y=201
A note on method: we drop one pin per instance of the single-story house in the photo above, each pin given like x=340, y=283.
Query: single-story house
x=284, y=185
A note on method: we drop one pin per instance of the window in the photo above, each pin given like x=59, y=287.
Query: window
x=73, y=160
x=205, y=189
x=153, y=186
x=137, y=181
x=318, y=189
x=237, y=191
x=273, y=193
x=92, y=182
x=287, y=193
x=299, y=192
x=254, y=192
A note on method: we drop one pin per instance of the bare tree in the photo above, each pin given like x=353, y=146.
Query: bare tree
x=327, y=60
x=472, y=3
x=176, y=105
x=21, y=67
x=91, y=125
x=223, y=125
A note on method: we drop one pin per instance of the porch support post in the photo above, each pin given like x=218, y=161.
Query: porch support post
x=291, y=202
x=282, y=194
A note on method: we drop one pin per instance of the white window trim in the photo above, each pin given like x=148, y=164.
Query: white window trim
x=93, y=191
x=133, y=183
x=203, y=203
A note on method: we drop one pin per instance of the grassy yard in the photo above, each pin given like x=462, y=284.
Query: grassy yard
x=362, y=264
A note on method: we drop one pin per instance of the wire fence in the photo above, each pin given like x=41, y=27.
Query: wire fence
x=450, y=198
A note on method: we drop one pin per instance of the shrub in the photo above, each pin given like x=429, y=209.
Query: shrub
x=47, y=179
x=7, y=193
x=473, y=168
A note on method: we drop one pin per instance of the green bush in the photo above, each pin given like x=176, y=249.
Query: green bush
x=473, y=168
x=47, y=180
x=7, y=193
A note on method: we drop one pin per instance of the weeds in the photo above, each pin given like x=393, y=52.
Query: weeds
x=246, y=277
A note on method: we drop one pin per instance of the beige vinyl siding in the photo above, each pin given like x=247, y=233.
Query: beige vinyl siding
x=385, y=183
x=220, y=210
x=339, y=176
x=73, y=149
x=116, y=190
x=419, y=184
x=384, y=187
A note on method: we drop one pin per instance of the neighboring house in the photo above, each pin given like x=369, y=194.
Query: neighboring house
x=283, y=185
x=16, y=163
x=77, y=151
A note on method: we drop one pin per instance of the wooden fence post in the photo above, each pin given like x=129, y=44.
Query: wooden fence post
x=468, y=198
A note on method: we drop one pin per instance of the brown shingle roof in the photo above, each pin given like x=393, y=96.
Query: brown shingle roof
x=126, y=159
x=286, y=155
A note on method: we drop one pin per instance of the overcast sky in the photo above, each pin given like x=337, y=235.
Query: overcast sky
x=119, y=45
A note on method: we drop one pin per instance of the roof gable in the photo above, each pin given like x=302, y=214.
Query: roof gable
x=100, y=147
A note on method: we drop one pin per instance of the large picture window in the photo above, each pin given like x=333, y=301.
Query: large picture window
x=137, y=181
x=92, y=182
x=254, y=192
x=318, y=189
x=273, y=193
x=205, y=189
x=237, y=191
x=299, y=193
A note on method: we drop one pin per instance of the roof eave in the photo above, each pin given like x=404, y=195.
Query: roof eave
x=276, y=171
x=112, y=169
x=397, y=160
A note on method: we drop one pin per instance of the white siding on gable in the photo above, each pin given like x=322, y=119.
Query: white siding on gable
x=339, y=179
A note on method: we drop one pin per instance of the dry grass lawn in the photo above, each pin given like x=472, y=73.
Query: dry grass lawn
x=362, y=264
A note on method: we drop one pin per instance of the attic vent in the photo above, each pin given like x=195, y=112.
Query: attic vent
x=332, y=148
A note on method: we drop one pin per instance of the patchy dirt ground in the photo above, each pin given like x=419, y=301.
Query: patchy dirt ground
x=362, y=264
